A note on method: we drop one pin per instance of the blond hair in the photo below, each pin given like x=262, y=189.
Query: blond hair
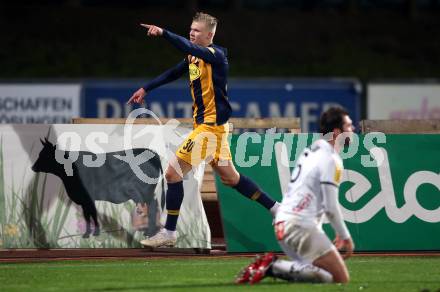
x=209, y=20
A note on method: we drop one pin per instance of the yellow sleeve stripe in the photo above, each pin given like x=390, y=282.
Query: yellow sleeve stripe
x=173, y=212
x=338, y=174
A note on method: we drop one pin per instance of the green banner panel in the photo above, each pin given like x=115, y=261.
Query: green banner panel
x=390, y=194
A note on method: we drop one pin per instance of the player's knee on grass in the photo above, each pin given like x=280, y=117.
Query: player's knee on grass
x=334, y=264
x=339, y=272
x=341, y=276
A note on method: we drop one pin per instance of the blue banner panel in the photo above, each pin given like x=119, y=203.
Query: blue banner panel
x=304, y=98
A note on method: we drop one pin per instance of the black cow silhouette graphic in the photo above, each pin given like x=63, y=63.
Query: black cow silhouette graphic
x=114, y=181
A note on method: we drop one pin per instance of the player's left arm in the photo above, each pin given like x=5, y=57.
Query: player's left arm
x=330, y=193
x=208, y=54
x=330, y=179
x=334, y=215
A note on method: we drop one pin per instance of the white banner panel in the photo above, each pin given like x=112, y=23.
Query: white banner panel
x=403, y=101
x=55, y=178
x=39, y=103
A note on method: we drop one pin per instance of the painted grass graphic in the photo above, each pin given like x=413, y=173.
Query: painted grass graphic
x=26, y=222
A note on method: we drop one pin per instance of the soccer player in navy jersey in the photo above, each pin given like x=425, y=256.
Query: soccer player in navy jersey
x=207, y=67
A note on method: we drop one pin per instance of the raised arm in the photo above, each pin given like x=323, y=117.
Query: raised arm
x=208, y=54
x=164, y=78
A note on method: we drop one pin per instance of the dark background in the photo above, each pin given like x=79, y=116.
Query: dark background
x=282, y=38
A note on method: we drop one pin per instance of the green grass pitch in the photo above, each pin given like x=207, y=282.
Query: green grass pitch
x=209, y=274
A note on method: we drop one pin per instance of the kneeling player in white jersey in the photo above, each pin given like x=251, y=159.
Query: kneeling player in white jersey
x=312, y=192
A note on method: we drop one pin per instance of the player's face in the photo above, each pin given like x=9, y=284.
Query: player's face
x=199, y=34
x=348, y=128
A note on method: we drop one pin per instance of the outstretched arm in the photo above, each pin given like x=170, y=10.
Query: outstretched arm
x=209, y=55
x=153, y=30
x=166, y=77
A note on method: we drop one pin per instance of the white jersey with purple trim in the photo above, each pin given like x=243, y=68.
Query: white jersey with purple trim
x=304, y=201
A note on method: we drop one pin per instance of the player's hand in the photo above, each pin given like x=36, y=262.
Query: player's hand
x=346, y=245
x=138, y=96
x=152, y=29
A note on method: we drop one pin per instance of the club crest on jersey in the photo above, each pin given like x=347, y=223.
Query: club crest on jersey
x=194, y=72
x=193, y=59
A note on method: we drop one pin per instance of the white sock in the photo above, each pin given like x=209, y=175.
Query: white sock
x=170, y=232
x=300, y=272
x=274, y=208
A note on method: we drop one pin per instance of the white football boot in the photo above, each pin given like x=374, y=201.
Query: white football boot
x=164, y=238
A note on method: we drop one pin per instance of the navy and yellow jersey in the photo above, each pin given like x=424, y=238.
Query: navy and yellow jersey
x=208, y=68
